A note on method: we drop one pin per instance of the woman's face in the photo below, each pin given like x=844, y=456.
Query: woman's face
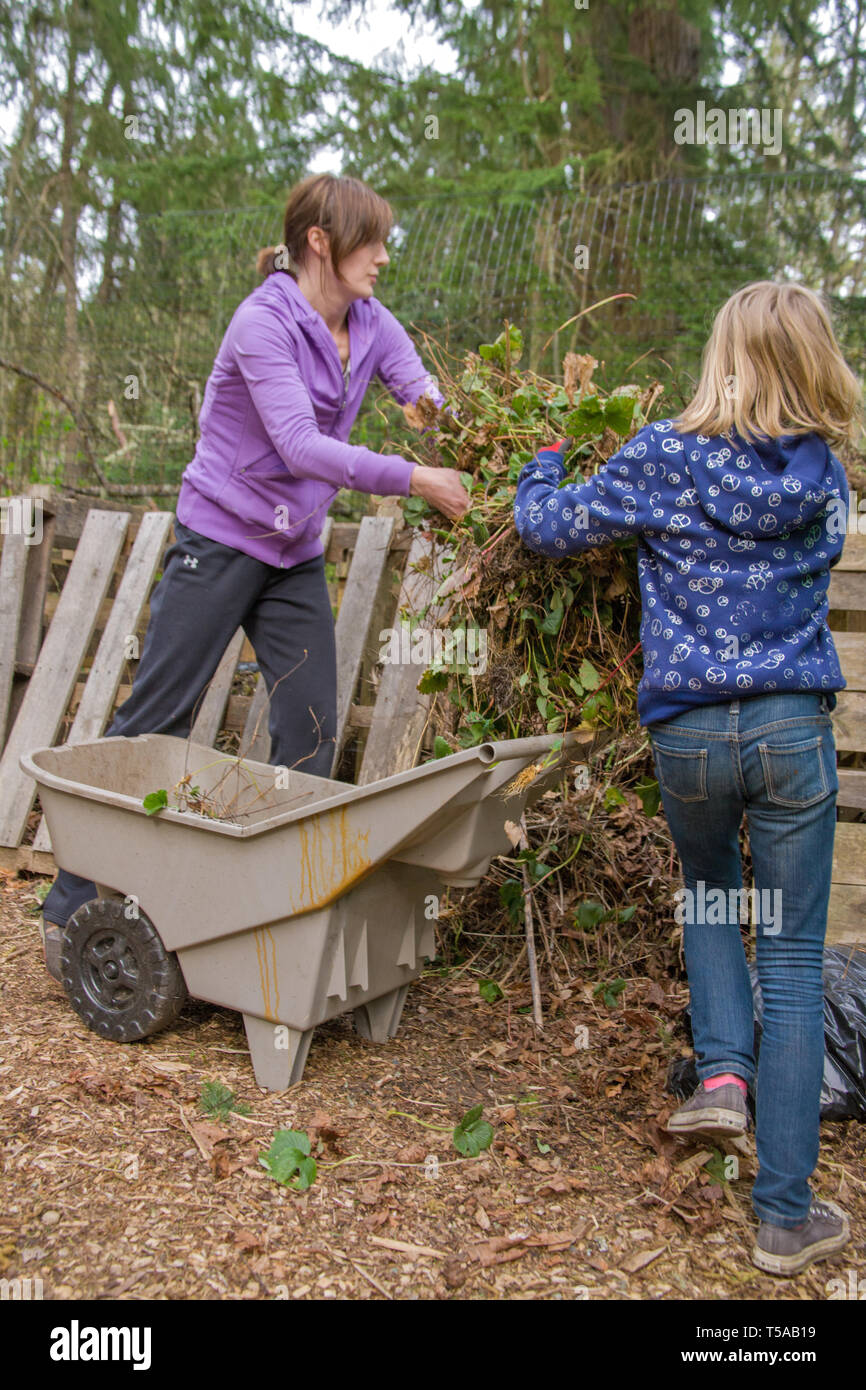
x=361, y=267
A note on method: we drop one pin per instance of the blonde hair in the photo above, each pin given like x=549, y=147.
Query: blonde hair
x=772, y=366
x=349, y=211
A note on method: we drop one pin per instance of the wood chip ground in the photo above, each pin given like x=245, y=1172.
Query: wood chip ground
x=115, y=1186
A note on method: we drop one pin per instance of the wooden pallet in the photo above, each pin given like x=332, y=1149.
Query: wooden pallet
x=87, y=587
x=847, y=916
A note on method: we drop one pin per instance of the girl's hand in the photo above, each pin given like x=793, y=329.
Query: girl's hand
x=442, y=488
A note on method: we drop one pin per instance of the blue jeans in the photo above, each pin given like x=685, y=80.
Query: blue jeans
x=773, y=758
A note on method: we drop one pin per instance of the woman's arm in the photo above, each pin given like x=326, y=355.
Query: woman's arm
x=399, y=368
x=267, y=363
x=402, y=372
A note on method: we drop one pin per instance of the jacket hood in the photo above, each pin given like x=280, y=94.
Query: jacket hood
x=766, y=488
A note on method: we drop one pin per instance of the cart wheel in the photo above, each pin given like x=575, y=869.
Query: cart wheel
x=118, y=975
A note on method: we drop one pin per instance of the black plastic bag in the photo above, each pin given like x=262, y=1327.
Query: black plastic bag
x=843, y=1089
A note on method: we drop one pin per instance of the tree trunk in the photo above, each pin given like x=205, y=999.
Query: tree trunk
x=74, y=467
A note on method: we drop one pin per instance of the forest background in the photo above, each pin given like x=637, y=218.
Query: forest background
x=536, y=171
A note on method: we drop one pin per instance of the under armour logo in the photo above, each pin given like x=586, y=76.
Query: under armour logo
x=191, y=561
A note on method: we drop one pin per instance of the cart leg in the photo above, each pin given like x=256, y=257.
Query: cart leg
x=278, y=1053
x=379, y=1019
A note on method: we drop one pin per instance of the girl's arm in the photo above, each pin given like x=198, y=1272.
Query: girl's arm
x=556, y=518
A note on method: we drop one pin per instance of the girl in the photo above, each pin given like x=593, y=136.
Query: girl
x=286, y=385
x=739, y=508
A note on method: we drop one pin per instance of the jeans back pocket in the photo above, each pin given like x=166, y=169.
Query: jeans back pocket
x=796, y=774
x=682, y=772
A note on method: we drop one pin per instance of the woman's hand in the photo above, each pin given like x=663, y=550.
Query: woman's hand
x=442, y=488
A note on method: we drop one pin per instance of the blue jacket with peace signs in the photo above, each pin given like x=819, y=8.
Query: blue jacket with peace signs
x=735, y=542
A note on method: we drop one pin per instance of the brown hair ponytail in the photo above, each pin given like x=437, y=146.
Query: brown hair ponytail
x=349, y=211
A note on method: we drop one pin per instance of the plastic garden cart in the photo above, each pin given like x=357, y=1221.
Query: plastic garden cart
x=309, y=898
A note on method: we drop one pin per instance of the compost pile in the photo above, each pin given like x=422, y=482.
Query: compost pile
x=561, y=653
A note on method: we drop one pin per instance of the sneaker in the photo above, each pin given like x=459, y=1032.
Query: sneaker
x=52, y=944
x=784, y=1251
x=721, y=1111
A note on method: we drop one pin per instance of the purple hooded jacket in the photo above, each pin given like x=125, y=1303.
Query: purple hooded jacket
x=276, y=415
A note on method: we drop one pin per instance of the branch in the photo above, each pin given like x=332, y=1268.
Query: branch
x=64, y=400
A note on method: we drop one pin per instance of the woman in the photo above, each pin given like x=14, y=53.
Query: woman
x=736, y=506
x=286, y=385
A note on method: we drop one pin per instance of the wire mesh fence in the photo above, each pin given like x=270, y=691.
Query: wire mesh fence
x=144, y=336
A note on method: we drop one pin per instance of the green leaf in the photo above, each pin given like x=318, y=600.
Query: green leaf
x=495, y=351
x=155, y=801
x=542, y=1148
x=415, y=509
x=441, y=747
x=294, y=1138
x=511, y=897
x=619, y=413
x=610, y=990
x=588, y=676
x=288, y=1159
x=213, y=1095
x=589, y=914
x=306, y=1174
x=717, y=1166
x=472, y=1134
x=587, y=419
x=650, y=794
x=613, y=797
x=219, y=1101
x=489, y=991
x=433, y=680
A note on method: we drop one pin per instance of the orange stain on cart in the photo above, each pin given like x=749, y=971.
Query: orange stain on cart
x=268, y=973
x=332, y=858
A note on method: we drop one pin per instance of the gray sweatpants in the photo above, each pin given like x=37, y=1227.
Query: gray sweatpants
x=206, y=592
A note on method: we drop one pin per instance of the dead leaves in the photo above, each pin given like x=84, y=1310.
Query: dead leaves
x=247, y=1240
x=464, y=582
x=324, y=1128
x=423, y=413
x=407, y=1248
x=105, y=1086
x=684, y=1186
x=370, y=1191
x=561, y=1183
x=516, y=834
x=455, y=1272
x=577, y=370
x=503, y=1249
x=633, y=1263
x=207, y=1135
x=413, y=1153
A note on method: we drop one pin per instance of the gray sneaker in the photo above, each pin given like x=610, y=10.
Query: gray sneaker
x=784, y=1251
x=721, y=1111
